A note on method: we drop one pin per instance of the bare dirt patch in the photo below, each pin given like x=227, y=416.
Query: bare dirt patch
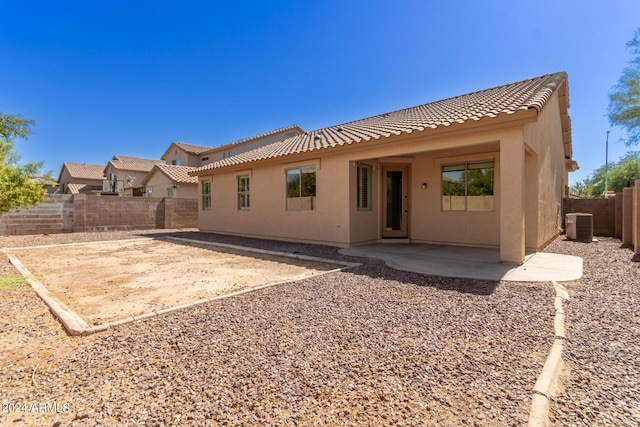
x=108, y=281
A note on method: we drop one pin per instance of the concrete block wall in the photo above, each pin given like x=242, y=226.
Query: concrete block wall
x=62, y=213
x=603, y=210
x=617, y=216
x=54, y=215
x=627, y=216
x=180, y=213
x=103, y=213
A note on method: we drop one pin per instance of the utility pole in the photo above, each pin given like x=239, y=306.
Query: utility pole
x=606, y=167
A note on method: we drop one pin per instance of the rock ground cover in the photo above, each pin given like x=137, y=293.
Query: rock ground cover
x=367, y=346
x=601, y=382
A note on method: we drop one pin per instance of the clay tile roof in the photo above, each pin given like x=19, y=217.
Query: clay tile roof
x=178, y=174
x=82, y=188
x=133, y=163
x=273, y=132
x=192, y=149
x=489, y=103
x=293, y=128
x=84, y=171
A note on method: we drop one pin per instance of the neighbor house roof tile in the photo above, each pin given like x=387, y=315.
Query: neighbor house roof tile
x=192, y=149
x=293, y=128
x=133, y=163
x=82, y=188
x=84, y=171
x=507, y=99
x=178, y=174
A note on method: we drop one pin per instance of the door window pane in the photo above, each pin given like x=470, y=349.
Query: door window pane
x=394, y=200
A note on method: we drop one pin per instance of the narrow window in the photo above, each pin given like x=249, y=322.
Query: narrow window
x=243, y=193
x=301, y=189
x=363, y=187
x=206, y=195
x=468, y=187
x=169, y=191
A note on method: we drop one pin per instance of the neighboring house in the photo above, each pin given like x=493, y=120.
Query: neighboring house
x=486, y=169
x=50, y=186
x=171, y=181
x=77, y=178
x=126, y=175
x=248, y=144
x=181, y=154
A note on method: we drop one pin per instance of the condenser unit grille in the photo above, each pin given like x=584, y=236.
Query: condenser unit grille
x=580, y=227
x=584, y=228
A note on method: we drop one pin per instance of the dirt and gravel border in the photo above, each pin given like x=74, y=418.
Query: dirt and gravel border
x=75, y=325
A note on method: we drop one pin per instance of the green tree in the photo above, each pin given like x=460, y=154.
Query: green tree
x=621, y=174
x=624, y=101
x=580, y=188
x=17, y=189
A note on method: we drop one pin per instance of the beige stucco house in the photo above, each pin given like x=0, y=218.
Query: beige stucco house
x=181, y=154
x=247, y=144
x=126, y=175
x=486, y=169
x=171, y=181
x=77, y=178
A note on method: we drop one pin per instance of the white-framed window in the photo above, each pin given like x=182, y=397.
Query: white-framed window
x=468, y=186
x=175, y=162
x=206, y=194
x=301, y=188
x=243, y=193
x=363, y=187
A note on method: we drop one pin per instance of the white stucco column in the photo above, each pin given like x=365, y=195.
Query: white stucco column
x=512, y=191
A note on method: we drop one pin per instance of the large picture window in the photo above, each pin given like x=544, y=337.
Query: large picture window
x=301, y=188
x=468, y=186
x=243, y=193
x=206, y=195
x=363, y=187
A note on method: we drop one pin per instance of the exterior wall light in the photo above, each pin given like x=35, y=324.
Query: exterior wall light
x=424, y=185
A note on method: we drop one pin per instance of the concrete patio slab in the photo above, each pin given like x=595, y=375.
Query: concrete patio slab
x=471, y=263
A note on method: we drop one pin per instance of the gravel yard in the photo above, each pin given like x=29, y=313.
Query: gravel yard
x=602, y=387
x=366, y=346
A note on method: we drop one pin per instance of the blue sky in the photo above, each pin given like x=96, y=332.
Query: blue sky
x=129, y=77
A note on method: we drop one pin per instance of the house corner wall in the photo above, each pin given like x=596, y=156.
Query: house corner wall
x=512, y=198
x=544, y=137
